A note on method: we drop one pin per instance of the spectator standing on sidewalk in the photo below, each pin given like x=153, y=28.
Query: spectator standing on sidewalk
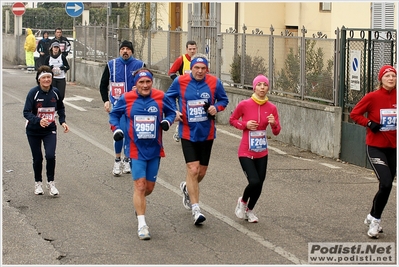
x=43, y=48
x=30, y=47
x=380, y=122
x=252, y=116
x=117, y=79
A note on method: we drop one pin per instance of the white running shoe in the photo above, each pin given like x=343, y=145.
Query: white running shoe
x=117, y=170
x=240, y=209
x=38, y=188
x=144, y=233
x=198, y=216
x=186, y=197
x=368, y=220
x=251, y=217
x=374, y=228
x=51, y=187
x=126, y=165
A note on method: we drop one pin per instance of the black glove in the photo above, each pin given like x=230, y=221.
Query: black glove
x=165, y=125
x=62, y=68
x=118, y=135
x=374, y=127
x=173, y=76
x=206, y=107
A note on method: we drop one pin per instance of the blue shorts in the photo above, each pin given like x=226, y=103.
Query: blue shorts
x=147, y=169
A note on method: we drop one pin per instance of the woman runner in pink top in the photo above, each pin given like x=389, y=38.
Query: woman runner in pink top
x=252, y=116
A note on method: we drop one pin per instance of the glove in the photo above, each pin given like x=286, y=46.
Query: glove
x=118, y=135
x=173, y=76
x=374, y=127
x=206, y=107
x=165, y=125
x=62, y=68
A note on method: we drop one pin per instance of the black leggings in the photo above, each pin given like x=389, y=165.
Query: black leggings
x=60, y=84
x=50, y=143
x=255, y=171
x=383, y=161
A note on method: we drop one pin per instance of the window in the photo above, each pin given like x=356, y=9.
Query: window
x=325, y=6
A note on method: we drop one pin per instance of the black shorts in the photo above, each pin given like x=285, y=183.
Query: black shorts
x=197, y=151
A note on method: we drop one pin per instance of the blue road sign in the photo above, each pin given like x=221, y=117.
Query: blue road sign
x=74, y=9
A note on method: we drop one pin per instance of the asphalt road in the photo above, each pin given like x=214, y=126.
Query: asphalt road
x=306, y=198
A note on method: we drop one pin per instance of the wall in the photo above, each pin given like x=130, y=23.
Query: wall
x=310, y=126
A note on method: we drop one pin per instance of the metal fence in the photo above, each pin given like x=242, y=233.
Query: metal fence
x=298, y=66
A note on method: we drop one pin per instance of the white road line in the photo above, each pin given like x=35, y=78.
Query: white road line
x=74, y=106
x=330, y=166
x=258, y=238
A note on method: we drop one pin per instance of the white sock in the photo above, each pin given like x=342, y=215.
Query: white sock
x=141, y=219
x=195, y=206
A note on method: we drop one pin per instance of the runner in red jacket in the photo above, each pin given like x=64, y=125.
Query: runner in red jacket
x=380, y=107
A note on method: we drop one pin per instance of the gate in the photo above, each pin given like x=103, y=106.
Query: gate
x=363, y=53
x=204, y=27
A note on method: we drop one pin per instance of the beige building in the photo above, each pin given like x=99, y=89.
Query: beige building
x=317, y=17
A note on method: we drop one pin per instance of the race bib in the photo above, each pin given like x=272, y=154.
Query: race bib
x=388, y=119
x=46, y=113
x=62, y=47
x=145, y=126
x=117, y=89
x=257, y=141
x=196, y=110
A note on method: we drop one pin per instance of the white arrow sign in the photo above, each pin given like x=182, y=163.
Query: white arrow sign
x=76, y=98
x=76, y=8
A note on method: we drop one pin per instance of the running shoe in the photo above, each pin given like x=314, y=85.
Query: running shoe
x=117, y=170
x=240, y=209
x=374, y=228
x=198, y=216
x=251, y=217
x=126, y=165
x=144, y=233
x=176, y=137
x=38, y=188
x=368, y=221
x=52, y=190
x=186, y=198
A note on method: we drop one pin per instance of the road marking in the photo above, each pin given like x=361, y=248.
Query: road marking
x=330, y=166
x=77, y=98
x=258, y=238
x=74, y=106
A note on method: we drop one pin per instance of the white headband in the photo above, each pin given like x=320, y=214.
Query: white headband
x=43, y=74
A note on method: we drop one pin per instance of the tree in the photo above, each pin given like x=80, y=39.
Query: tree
x=253, y=67
x=319, y=79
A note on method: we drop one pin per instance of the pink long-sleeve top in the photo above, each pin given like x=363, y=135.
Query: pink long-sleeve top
x=252, y=143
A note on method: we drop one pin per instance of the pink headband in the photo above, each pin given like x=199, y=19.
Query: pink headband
x=258, y=79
